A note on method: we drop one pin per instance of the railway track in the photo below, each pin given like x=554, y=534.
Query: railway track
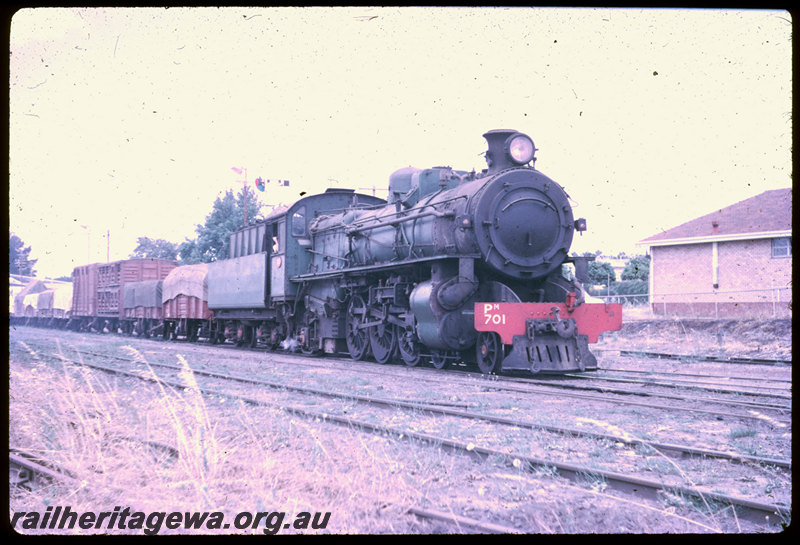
x=436, y=408
x=777, y=393
x=552, y=388
x=704, y=386
x=372, y=368
x=707, y=358
x=529, y=386
x=25, y=467
x=630, y=485
x=707, y=376
x=462, y=523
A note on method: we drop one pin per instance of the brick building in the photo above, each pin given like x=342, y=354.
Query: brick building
x=735, y=262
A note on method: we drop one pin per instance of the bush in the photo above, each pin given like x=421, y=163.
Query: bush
x=626, y=287
x=638, y=268
x=630, y=287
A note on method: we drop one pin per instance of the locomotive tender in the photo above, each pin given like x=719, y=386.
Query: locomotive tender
x=454, y=266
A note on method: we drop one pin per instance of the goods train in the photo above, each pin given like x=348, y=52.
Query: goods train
x=454, y=266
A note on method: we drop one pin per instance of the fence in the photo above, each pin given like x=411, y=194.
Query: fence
x=774, y=302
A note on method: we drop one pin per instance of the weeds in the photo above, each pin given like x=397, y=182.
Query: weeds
x=595, y=482
x=256, y=458
x=742, y=432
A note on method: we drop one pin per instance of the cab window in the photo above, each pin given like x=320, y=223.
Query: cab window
x=299, y=222
x=279, y=237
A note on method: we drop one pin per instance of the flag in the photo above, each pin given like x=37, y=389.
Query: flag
x=262, y=183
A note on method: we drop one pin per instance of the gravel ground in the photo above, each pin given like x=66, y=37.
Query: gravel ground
x=236, y=458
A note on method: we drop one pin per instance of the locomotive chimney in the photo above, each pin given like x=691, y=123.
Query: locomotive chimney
x=495, y=156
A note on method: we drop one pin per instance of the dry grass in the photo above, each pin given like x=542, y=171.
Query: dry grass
x=771, y=339
x=236, y=458
x=231, y=457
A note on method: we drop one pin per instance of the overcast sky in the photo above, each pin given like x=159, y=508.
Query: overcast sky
x=129, y=120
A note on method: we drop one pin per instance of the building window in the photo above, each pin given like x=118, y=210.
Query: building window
x=782, y=247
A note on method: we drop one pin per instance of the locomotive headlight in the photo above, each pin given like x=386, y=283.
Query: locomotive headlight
x=519, y=148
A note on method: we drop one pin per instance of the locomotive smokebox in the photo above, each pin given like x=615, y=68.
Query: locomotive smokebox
x=523, y=220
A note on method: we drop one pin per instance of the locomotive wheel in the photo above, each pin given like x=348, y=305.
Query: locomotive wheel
x=409, y=347
x=357, y=339
x=489, y=352
x=439, y=358
x=383, y=341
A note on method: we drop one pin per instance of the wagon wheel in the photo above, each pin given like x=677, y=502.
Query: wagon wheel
x=272, y=340
x=146, y=328
x=218, y=334
x=489, y=352
x=439, y=358
x=165, y=332
x=357, y=339
x=252, y=340
x=409, y=347
x=241, y=332
x=193, y=333
x=383, y=341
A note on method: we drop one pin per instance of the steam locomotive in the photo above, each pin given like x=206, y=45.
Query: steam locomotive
x=454, y=266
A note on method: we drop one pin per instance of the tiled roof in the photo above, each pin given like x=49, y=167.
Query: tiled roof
x=770, y=211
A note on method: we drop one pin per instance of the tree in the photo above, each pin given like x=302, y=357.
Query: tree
x=601, y=272
x=213, y=237
x=630, y=287
x=588, y=254
x=19, y=261
x=155, y=248
x=637, y=268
